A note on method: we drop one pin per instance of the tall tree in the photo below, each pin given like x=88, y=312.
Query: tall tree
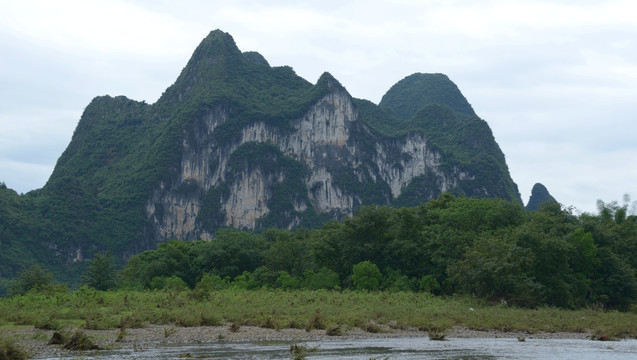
x=32, y=278
x=101, y=273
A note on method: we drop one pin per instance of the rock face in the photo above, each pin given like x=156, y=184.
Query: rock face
x=235, y=142
x=329, y=142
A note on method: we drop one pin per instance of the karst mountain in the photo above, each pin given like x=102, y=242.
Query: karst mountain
x=235, y=142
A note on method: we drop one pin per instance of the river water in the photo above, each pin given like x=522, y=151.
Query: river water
x=392, y=348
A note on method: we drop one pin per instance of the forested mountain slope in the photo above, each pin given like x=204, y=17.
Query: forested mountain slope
x=235, y=142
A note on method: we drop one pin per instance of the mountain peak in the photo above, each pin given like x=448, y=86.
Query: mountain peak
x=415, y=91
x=328, y=81
x=218, y=36
x=256, y=58
x=539, y=195
x=217, y=44
x=215, y=57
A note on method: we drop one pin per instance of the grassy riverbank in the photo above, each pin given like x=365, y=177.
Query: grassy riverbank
x=380, y=311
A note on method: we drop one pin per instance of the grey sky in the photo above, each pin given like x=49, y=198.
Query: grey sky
x=555, y=80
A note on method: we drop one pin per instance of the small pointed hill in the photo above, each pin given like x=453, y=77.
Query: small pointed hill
x=539, y=195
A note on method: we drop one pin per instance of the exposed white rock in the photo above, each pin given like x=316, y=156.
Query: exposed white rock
x=326, y=196
x=322, y=137
x=415, y=159
x=248, y=200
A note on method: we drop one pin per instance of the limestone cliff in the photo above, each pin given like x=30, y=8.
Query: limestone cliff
x=330, y=142
x=235, y=142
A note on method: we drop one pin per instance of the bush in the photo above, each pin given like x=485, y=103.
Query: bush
x=58, y=338
x=174, y=283
x=210, y=282
x=317, y=321
x=49, y=324
x=324, y=279
x=428, y=283
x=287, y=282
x=11, y=351
x=32, y=278
x=80, y=341
x=366, y=276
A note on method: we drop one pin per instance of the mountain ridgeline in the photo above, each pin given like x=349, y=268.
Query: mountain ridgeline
x=237, y=143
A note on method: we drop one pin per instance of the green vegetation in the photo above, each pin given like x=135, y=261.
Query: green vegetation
x=101, y=273
x=477, y=263
x=303, y=309
x=465, y=142
x=122, y=151
x=32, y=278
x=11, y=351
x=402, y=101
x=539, y=195
x=433, y=105
x=488, y=248
x=366, y=276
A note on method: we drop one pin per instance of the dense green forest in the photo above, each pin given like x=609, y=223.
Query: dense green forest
x=489, y=248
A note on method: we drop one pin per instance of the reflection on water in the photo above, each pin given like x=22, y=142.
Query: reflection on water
x=396, y=348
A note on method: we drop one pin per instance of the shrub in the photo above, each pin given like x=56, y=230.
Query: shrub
x=428, y=283
x=58, y=338
x=11, y=351
x=210, y=319
x=80, y=341
x=32, y=278
x=49, y=324
x=299, y=352
x=210, y=282
x=324, y=279
x=373, y=328
x=174, y=283
x=316, y=321
x=334, y=331
x=366, y=276
x=287, y=282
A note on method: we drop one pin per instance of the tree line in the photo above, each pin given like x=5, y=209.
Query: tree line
x=488, y=248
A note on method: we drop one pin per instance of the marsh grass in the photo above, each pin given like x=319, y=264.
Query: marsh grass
x=300, y=352
x=11, y=351
x=303, y=309
x=80, y=341
x=316, y=321
x=50, y=323
x=270, y=323
x=169, y=331
x=121, y=334
x=58, y=338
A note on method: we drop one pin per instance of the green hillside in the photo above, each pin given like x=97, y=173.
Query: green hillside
x=123, y=150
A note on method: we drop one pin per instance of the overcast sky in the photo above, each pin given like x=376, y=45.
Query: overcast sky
x=555, y=80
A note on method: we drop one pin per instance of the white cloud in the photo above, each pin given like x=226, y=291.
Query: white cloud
x=106, y=27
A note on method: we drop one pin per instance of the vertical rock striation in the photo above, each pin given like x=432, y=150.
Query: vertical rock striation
x=329, y=141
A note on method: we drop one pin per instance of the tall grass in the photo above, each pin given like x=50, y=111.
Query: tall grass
x=301, y=309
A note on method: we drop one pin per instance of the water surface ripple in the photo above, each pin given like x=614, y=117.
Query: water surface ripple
x=391, y=348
